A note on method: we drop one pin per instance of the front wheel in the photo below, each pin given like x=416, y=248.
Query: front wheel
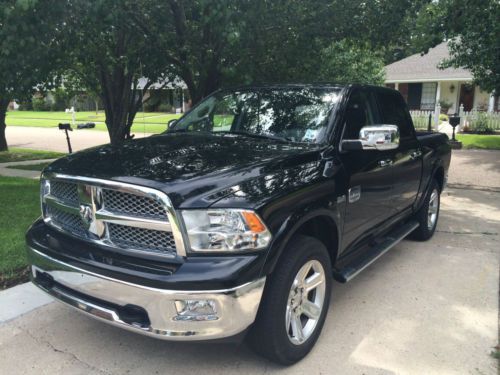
x=428, y=214
x=295, y=303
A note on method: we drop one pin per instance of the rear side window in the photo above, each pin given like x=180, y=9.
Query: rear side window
x=393, y=111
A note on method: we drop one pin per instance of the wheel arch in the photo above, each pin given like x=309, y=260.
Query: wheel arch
x=321, y=224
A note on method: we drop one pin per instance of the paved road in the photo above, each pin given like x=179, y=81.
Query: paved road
x=423, y=308
x=53, y=139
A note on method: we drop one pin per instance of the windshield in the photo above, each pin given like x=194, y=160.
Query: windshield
x=291, y=114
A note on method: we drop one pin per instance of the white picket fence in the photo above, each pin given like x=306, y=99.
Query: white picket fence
x=473, y=120
x=421, y=119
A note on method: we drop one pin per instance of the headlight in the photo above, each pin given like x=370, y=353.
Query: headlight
x=225, y=230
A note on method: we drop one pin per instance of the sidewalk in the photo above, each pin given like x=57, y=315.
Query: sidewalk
x=10, y=172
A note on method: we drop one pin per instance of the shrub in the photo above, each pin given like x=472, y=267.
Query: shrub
x=445, y=106
x=151, y=105
x=61, y=100
x=25, y=106
x=480, y=124
x=39, y=104
x=164, y=107
x=443, y=117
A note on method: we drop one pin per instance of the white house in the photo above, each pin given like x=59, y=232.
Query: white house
x=424, y=85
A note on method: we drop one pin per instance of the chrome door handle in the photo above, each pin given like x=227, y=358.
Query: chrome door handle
x=385, y=163
x=416, y=154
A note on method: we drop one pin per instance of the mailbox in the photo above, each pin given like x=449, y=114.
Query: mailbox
x=454, y=122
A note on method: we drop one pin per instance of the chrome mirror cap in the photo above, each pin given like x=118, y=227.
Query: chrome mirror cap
x=379, y=137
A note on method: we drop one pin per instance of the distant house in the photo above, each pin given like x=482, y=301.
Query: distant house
x=424, y=85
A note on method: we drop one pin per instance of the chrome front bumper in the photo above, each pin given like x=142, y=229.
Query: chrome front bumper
x=143, y=309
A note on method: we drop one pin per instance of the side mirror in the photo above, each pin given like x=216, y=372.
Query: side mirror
x=379, y=137
x=171, y=123
x=374, y=137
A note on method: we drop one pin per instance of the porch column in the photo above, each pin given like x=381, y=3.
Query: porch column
x=437, y=107
x=396, y=86
x=491, y=103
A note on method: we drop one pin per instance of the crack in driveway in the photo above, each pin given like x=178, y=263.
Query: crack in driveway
x=68, y=353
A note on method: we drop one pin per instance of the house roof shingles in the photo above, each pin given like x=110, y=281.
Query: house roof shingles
x=417, y=68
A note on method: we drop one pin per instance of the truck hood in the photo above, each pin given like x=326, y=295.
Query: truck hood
x=194, y=169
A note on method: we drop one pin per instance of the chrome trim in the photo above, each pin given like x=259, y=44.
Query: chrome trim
x=173, y=225
x=236, y=308
x=137, y=222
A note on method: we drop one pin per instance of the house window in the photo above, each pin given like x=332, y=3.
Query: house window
x=428, y=101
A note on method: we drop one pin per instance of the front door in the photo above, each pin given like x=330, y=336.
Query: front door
x=467, y=96
x=407, y=167
x=370, y=186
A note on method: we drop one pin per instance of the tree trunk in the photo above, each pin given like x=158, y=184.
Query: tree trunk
x=116, y=94
x=4, y=104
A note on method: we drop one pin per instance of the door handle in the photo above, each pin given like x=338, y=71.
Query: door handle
x=385, y=163
x=416, y=154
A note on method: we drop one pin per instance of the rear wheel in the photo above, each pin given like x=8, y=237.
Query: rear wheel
x=295, y=303
x=428, y=214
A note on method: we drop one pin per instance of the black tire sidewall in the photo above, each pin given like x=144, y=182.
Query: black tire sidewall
x=423, y=233
x=270, y=337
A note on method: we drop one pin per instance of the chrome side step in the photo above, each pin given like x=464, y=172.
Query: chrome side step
x=354, y=269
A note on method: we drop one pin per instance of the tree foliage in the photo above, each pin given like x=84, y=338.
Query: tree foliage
x=472, y=31
x=107, y=54
x=109, y=45
x=475, y=39
x=29, y=50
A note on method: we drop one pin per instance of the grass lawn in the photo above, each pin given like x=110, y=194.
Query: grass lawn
x=30, y=167
x=19, y=199
x=21, y=154
x=490, y=142
x=149, y=122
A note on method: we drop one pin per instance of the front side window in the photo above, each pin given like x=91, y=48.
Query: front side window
x=359, y=113
x=394, y=112
x=295, y=115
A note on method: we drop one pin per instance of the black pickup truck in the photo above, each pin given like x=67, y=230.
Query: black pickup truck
x=235, y=221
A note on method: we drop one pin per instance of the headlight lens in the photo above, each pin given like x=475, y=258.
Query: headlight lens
x=225, y=230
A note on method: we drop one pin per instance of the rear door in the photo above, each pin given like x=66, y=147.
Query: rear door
x=370, y=184
x=407, y=167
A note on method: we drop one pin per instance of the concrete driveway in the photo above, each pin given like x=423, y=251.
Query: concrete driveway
x=423, y=308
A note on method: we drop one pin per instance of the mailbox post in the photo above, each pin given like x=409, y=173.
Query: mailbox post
x=454, y=122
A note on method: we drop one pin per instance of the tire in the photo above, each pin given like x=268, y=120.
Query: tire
x=428, y=214
x=276, y=332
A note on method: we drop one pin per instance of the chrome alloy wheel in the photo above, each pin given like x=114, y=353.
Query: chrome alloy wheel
x=432, y=211
x=305, y=302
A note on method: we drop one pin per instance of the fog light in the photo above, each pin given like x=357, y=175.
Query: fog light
x=196, y=310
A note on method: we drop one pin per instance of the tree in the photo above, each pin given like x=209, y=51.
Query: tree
x=348, y=62
x=472, y=34
x=108, y=54
x=28, y=50
x=475, y=42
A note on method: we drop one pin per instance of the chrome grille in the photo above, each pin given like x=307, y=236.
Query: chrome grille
x=128, y=217
x=69, y=222
x=140, y=238
x=130, y=204
x=65, y=191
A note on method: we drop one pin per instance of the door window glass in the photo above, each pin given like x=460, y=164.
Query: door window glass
x=394, y=112
x=359, y=113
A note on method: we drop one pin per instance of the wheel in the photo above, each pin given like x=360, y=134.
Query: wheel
x=428, y=214
x=295, y=303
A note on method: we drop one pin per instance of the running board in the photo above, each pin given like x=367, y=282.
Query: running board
x=352, y=270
